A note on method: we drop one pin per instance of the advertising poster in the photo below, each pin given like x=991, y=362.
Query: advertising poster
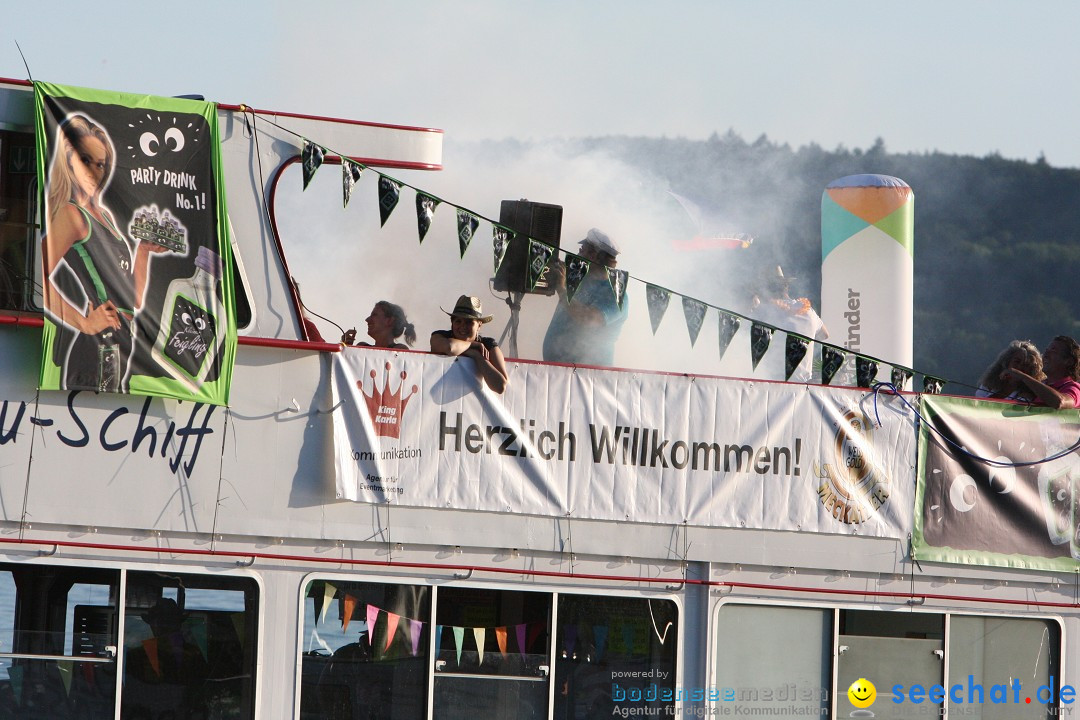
x=137, y=281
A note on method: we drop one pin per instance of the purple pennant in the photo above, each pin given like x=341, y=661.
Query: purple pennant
x=760, y=337
x=729, y=325
x=831, y=362
x=576, y=270
x=415, y=626
x=865, y=371
x=694, y=311
x=519, y=631
x=350, y=173
x=425, y=211
x=657, y=298
x=900, y=377
x=466, y=228
x=389, y=193
x=311, y=158
x=794, y=352
x=500, y=243
x=570, y=636
x=617, y=279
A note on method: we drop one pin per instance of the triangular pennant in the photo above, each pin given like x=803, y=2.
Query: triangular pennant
x=657, y=299
x=900, y=377
x=317, y=601
x=198, y=633
x=500, y=638
x=329, y=591
x=347, y=611
x=350, y=173
x=391, y=628
x=459, y=640
x=932, y=385
x=534, y=631
x=519, y=631
x=600, y=633
x=729, y=325
x=150, y=647
x=389, y=194
x=694, y=311
x=831, y=362
x=65, y=667
x=466, y=228
x=500, y=243
x=760, y=337
x=438, y=639
x=570, y=637
x=628, y=637
x=865, y=371
x=372, y=618
x=479, y=634
x=415, y=626
x=617, y=279
x=794, y=352
x=425, y=211
x=311, y=158
x=576, y=270
x=539, y=257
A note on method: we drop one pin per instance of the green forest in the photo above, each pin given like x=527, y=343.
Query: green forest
x=995, y=239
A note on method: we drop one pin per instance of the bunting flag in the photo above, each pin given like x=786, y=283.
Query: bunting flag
x=576, y=270
x=329, y=591
x=534, y=631
x=317, y=602
x=350, y=173
x=415, y=626
x=150, y=647
x=347, y=612
x=425, y=212
x=479, y=634
x=500, y=638
x=392, y=621
x=794, y=352
x=831, y=362
x=311, y=158
x=539, y=257
x=459, y=639
x=438, y=640
x=389, y=194
x=628, y=638
x=657, y=299
x=694, y=311
x=372, y=617
x=617, y=279
x=466, y=228
x=600, y=633
x=932, y=385
x=760, y=337
x=65, y=667
x=900, y=377
x=570, y=637
x=520, y=633
x=729, y=325
x=865, y=371
x=500, y=243
x=198, y=634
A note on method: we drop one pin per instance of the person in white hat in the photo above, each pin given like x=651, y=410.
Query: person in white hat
x=583, y=331
x=777, y=307
x=464, y=339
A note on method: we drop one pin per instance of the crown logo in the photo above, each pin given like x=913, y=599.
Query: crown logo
x=159, y=228
x=386, y=407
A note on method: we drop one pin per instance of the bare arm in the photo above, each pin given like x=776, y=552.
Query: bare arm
x=1043, y=393
x=442, y=345
x=66, y=228
x=490, y=366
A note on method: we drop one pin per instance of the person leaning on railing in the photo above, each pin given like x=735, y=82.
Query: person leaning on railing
x=464, y=339
x=1061, y=363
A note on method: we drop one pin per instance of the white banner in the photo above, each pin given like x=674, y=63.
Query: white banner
x=420, y=430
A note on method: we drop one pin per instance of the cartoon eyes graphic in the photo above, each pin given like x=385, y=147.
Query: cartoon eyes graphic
x=173, y=140
x=198, y=322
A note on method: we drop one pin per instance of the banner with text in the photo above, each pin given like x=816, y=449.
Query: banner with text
x=1012, y=511
x=136, y=265
x=421, y=430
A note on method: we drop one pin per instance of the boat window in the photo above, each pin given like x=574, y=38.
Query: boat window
x=773, y=660
x=189, y=646
x=19, y=284
x=614, y=654
x=365, y=651
x=57, y=641
x=491, y=654
x=988, y=650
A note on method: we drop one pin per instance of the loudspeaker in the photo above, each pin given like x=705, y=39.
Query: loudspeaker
x=539, y=221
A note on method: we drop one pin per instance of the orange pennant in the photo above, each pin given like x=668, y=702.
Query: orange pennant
x=350, y=606
x=500, y=637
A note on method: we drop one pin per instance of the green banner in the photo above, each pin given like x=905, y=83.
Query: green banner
x=136, y=257
x=998, y=484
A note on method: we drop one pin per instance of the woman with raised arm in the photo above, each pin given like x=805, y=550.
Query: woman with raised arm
x=385, y=324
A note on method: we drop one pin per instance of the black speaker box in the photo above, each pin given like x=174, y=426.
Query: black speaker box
x=539, y=221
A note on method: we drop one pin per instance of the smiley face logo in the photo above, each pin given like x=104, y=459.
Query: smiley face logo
x=862, y=693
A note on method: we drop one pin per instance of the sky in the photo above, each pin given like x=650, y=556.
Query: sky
x=959, y=76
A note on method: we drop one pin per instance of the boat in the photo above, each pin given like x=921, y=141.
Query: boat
x=367, y=533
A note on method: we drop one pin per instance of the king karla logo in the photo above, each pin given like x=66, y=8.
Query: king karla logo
x=385, y=406
x=853, y=487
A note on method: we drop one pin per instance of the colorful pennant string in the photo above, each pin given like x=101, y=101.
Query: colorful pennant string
x=500, y=638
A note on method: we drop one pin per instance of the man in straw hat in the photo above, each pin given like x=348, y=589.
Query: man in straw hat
x=463, y=339
x=583, y=331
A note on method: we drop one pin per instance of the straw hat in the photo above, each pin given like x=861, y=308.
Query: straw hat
x=469, y=307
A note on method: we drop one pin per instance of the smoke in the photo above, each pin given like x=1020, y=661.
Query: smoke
x=345, y=262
